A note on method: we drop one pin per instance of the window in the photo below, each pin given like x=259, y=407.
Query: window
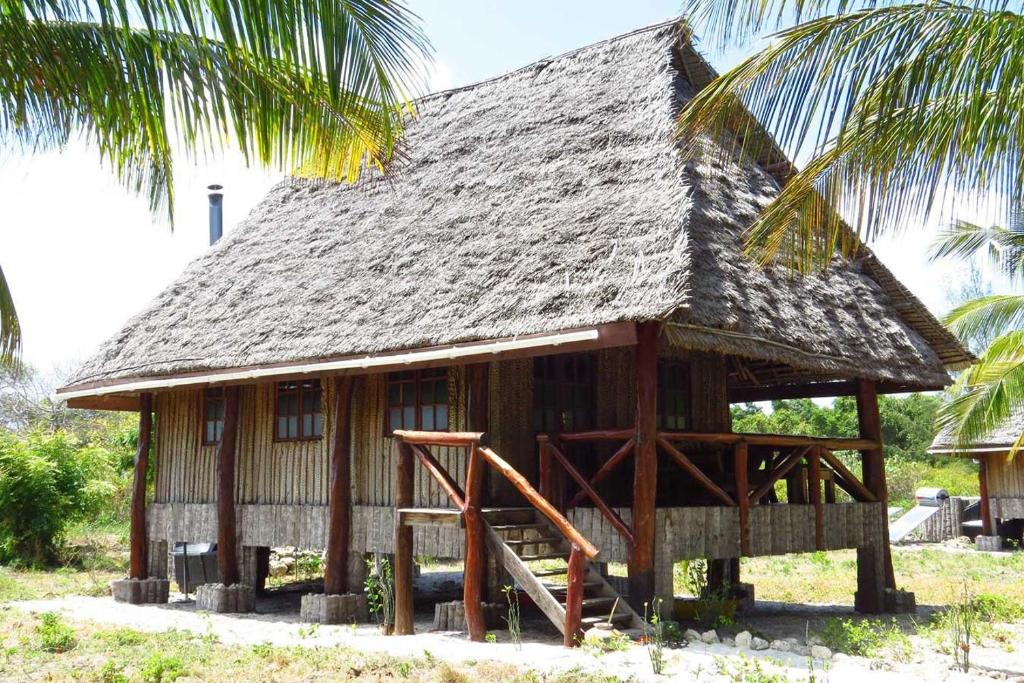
x=299, y=411
x=563, y=392
x=418, y=399
x=213, y=416
x=673, y=395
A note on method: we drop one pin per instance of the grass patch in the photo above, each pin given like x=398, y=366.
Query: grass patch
x=867, y=638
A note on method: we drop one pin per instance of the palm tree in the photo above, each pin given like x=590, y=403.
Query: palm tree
x=992, y=390
x=896, y=106
x=313, y=87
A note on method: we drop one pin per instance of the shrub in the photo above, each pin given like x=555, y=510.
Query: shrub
x=55, y=635
x=47, y=482
x=160, y=668
x=866, y=638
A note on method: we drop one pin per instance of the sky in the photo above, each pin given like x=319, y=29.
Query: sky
x=82, y=254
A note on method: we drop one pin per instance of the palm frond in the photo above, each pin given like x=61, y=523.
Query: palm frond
x=895, y=104
x=10, y=328
x=1004, y=247
x=986, y=316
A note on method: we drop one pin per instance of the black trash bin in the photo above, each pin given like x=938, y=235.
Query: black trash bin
x=194, y=565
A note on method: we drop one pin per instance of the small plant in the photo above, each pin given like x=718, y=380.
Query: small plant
x=55, y=635
x=515, y=631
x=742, y=669
x=380, y=593
x=962, y=618
x=263, y=650
x=160, y=668
x=866, y=638
x=654, y=636
x=404, y=668
x=491, y=638
x=111, y=673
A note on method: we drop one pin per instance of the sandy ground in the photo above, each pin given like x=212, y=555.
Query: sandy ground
x=277, y=623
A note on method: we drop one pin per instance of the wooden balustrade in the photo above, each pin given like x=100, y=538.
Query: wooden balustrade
x=586, y=488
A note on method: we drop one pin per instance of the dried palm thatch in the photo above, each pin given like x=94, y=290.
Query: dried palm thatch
x=1001, y=439
x=550, y=198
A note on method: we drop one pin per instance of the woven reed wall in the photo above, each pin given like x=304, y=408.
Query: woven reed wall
x=1005, y=479
x=184, y=468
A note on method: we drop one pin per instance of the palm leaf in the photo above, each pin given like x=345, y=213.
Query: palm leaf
x=10, y=329
x=986, y=316
x=1004, y=247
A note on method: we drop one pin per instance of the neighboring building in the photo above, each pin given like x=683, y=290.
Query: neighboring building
x=546, y=268
x=1000, y=479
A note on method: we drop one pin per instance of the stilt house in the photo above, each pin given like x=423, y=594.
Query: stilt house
x=523, y=344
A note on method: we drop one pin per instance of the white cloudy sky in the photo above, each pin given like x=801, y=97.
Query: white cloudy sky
x=82, y=254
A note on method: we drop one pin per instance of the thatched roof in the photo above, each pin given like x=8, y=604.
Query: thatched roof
x=998, y=440
x=550, y=198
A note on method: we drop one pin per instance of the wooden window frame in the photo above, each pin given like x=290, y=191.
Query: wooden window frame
x=300, y=391
x=203, y=415
x=680, y=370
x=562, y=401
x=416, y=380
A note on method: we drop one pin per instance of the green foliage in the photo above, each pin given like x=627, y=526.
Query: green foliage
x=54, y=634
x=742, y=669
x=380, y=591
x=110, y=672
x=47, y=482
x=161, y=668
x=654, y=636
x=866, y=638
x=514, y=620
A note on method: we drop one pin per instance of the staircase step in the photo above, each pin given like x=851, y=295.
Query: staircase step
x=551, y=572
x=547, y=540
x=602, y=602
x=619, y=618
x=545, y=556
x=561, y=587
x=516, y=527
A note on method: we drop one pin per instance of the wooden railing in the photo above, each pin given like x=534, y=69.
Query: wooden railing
x=792, y=450
x=415, y=444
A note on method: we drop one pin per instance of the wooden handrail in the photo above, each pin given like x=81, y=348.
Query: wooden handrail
x=421, y=438
x=440, y=474
x=598, y=435
x=538, y=501
x=696, y=473
x=605, y=470
x=609, y=514
x=848, y=482
x=781, y=440
x=779, y=472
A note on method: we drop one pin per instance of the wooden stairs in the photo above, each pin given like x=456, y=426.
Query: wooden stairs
x=536, y=556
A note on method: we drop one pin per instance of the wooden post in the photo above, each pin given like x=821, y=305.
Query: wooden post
x=574, y=599
x=742, y=495
x=987, y=527
x=404, y=489
x=874, y=565
x=478, y=420
x=339, y=511
x=227, y=537
x=545, y=482
x=645, y=477
x=138, y=566
x=814, y=493
x=473, y=572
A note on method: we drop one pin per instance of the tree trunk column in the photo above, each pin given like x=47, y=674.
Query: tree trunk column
x=874, y=564
x=645, y=477
x=404, y=492
x=987, y=527
x=340, y=500
x=227, y=536
x=138, y=566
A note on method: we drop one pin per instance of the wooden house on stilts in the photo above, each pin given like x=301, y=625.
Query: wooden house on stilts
x=521, y=345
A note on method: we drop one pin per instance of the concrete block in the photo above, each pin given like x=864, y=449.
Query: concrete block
x=989, y=543
x=900, y=602
x=140, y=591
x=349, y=608
x=216, y=597
x=451, y=616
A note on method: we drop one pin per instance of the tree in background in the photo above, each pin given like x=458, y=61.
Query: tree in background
x=898, y=106
x=310, y=87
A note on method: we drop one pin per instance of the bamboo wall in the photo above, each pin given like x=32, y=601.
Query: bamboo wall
x=1005, y=479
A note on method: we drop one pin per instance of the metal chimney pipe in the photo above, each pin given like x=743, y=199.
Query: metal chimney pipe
x=216, y=213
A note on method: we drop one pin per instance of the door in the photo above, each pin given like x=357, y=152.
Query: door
x=564, y=393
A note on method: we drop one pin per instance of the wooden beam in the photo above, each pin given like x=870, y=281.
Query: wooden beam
x=448, y=485
x=339, y=507
x=848, y=482
x=605, y=470
x=814, y=493
x=573, y=634
x=588, y=490
x=546, y=472
x=778, y=392
x=874, y=573
x=777, y=440
x=697, y=474
x=227, y=534
x=987, y=527
x=475, y=562
x=740, y=464
x=784, y=467
x=464, y=439
x=107, y=402
x=599, y=435
x=640, y=566
x=563, y=525
x=404, y=489
x=138, y=565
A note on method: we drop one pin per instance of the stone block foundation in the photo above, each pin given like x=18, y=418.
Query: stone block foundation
x=451, y=616
x=349, y=608
x=216, y=597
x=989, y=543
x=140, y=591
x=900, y=602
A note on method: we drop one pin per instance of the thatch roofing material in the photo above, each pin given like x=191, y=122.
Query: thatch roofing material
x=998, y=440
x=551, y=198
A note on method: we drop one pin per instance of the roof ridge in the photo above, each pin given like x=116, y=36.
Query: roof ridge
x=547, y=60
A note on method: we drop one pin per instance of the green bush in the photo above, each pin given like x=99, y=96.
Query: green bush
x=160, y=668
x=55, y=635
x=47, y=482
x=866, y=638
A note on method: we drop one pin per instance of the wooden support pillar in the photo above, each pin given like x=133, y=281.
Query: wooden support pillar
x=645, y=478
x=339, y=510
x=227, y=536
x=814, y=493
x=138, y=566
x=475, y=562
x=740, y=460
x=987, y=527
x=403, y=542
x=478, y=420
x=874, y=565
x=574, y=599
